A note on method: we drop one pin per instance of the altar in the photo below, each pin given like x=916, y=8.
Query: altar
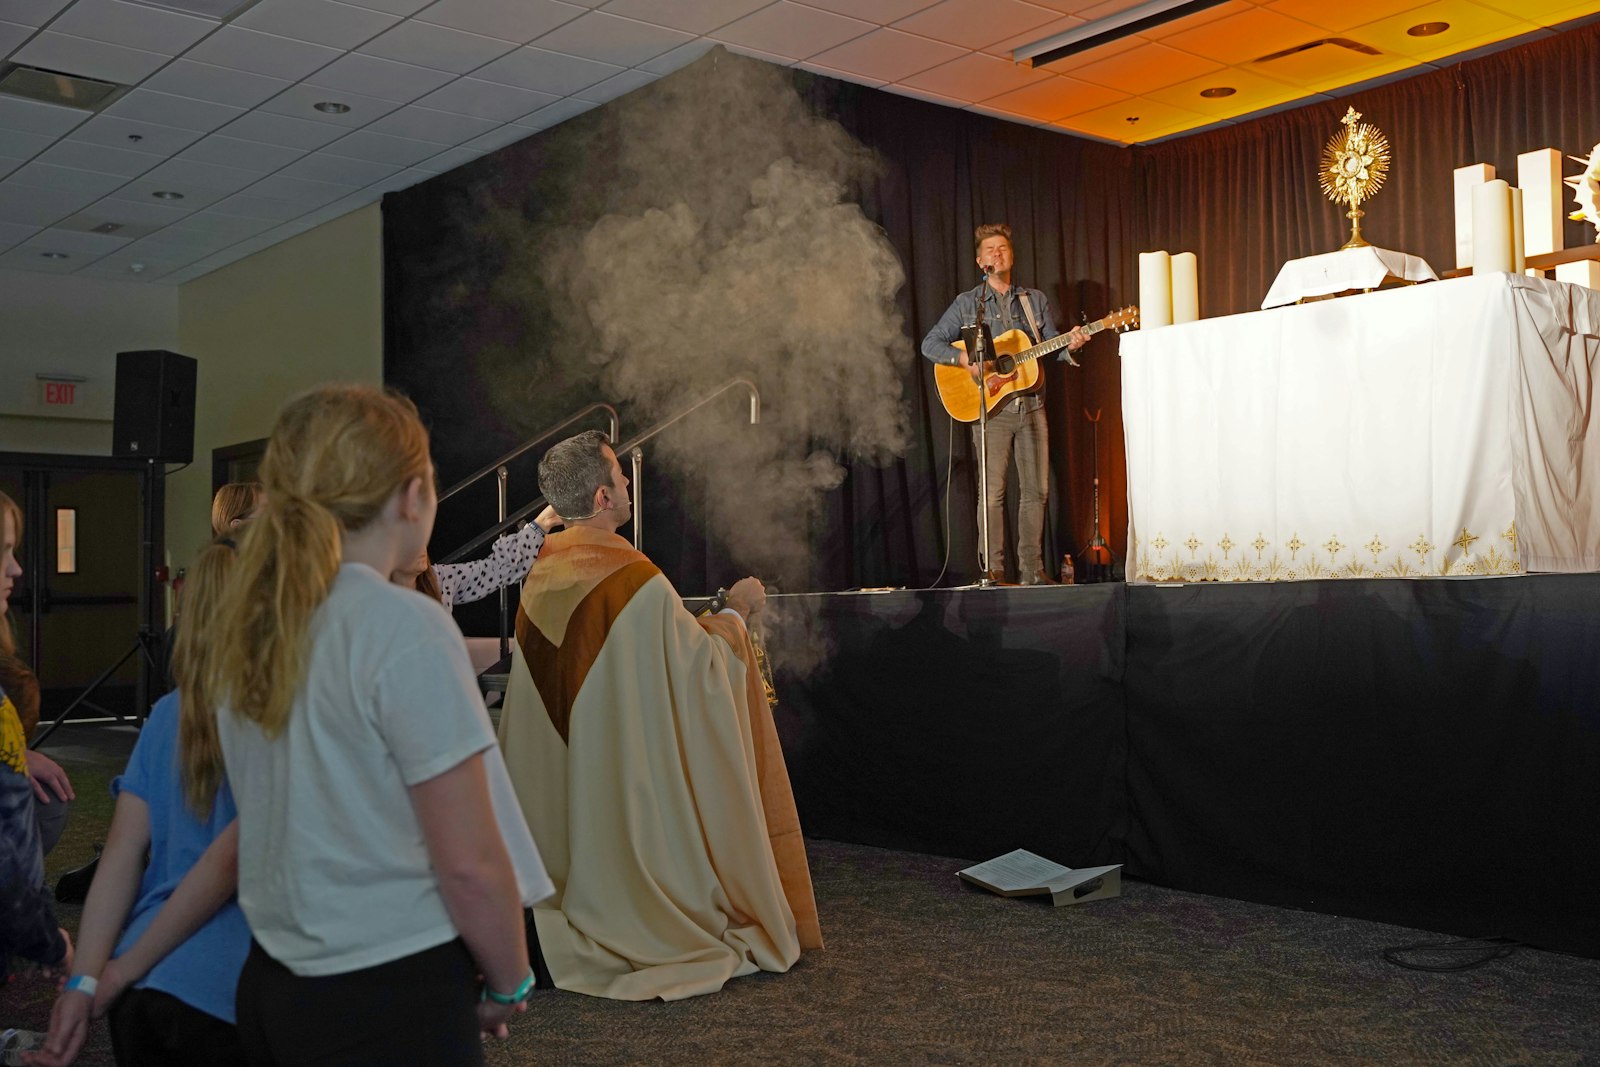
x=1438, y=430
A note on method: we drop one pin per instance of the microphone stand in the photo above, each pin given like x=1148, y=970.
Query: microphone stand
x=982, y=348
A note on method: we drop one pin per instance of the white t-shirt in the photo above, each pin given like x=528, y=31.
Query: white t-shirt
x=334, y=874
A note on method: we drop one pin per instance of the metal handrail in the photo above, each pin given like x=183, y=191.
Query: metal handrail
x=524, y=447
x=627, y=447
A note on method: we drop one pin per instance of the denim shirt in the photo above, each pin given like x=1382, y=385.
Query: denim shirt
x=1000, y=312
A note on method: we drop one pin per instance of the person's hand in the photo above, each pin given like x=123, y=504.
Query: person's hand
x=69, y=1026
x=493, y=1017
x=1079, y=339
x=63, y=969
x=748, y=596
x=47, y=772
x=114, y=981
x=547, y=519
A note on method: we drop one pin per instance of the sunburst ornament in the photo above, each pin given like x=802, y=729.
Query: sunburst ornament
x=1354, y=163
x=1586, y=190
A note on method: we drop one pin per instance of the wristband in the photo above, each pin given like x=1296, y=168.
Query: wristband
x=83, y=983
x=517, y=997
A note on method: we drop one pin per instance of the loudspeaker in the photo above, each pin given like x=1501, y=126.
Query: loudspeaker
x=154, y=413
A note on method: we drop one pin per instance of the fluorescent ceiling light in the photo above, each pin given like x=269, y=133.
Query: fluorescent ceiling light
x=1111, y=28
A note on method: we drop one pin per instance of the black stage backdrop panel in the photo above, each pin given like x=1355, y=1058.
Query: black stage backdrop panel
x=1413, y=752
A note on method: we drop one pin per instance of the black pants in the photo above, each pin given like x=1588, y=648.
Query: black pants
x=150, y=1028
x=420, y=1009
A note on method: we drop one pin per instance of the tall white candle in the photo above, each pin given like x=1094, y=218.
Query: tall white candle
x=1491, y=228
x=1467, y=179
x=1185, y=287
x=1539, y=178
x=1519, y=255
x=1155, y=290
x=1583, y=272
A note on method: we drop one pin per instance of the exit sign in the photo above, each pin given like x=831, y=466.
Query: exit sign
x=63, y=394
x=59, y=394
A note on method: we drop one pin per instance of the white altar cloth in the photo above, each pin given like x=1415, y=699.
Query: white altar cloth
x=1339, y=272
x=1435, y=430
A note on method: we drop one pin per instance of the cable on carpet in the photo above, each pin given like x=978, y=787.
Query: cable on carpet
x=1462, y=953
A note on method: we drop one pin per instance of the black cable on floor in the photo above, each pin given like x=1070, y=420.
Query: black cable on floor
x=1476, y=950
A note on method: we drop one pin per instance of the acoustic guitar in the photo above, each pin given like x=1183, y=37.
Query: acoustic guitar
x=1015, y=370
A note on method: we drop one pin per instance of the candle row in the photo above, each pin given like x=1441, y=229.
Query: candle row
x=1169, y=289
x=1531, y=223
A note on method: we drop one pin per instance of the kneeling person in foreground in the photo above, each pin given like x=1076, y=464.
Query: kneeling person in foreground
x=645, y=758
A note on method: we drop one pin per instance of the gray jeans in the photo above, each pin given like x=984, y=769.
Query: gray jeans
x=1025, y=436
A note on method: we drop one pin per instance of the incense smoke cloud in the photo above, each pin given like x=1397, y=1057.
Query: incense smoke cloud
x=703, y=231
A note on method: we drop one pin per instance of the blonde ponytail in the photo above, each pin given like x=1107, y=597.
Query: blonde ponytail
x=8, y=642
x=336, y=456
x=199, y=751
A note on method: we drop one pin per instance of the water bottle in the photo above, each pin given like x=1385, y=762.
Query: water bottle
x=1067, y=576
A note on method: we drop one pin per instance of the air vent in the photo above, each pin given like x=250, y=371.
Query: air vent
x=1341, y=42
x=54, y=87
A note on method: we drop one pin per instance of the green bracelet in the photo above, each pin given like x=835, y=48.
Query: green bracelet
x=518, y=997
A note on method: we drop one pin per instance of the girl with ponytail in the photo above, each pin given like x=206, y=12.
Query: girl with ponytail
x=180, y=938
x=372, y=871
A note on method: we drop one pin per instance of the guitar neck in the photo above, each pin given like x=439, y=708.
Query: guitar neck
x=1055, y=344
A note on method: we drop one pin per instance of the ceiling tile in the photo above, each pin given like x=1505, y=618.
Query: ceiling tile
x=31, y=116
x=546, y=72
x=382, y=148
x=403, y=180
x=317, y=21
x=86, y=183
x=282, y=130
x=681, y=56
x=12, y=233
x=1243, y=37
x=888, y=55
x=1322, y=67
x=1199, y=18
x=341, y=170
x=24, y=258
x=301, y=101
x=164, y=109
x=485, y=100
x=385, y=79
x=1469, y=24
x=142, y=191
x=11, y=35
x=258, y=207
x=437, y=47
x=902, y=89
x=882, y=12
x=246, y=155
x=792, y=30
x=30, y=12
x=449, y=159
x=403, y=8
x=425, y=124
x=974, y=77
x=610, y=39
x=92, y=59
x=976, y=23
x=842, y=75
x=17, y=144
x=560, y=111
x=189, y=175
x=115, y=132
x=222, y=85
x=148, y=215
x=38, y=207
x=495, y=140
x=1005, y=46
x=262, y=53
x=615, y=86
x=1253, y=92
x=106, y=160
x=1049, y=100
x=303, y=191
x=217, y=225
x=1150, y=66
x=132, y=25
x=691, y=16
x=76, y=242
x=1152, y=119
x=509, y=20
x=1343, y=15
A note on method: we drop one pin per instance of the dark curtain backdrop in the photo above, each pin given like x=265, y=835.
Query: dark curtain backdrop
x=1244, y=198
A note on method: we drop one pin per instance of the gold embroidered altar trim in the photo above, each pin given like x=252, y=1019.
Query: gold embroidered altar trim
x=1258, y=560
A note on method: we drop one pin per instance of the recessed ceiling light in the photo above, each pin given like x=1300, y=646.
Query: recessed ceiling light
x=166, y=194
x=136, y=267
x=1428, y=29
x=54, y=255
x=1218, y=91
x=332, y=107
x=1131, y=119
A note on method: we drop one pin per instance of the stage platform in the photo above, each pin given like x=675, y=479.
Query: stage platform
x=1418, y=752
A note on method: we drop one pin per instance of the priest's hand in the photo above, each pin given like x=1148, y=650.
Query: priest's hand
x=748, y=596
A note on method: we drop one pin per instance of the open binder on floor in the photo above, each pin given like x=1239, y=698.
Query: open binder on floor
x=1024, y=874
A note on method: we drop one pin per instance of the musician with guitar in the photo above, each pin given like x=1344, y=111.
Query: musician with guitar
x=1013, y=393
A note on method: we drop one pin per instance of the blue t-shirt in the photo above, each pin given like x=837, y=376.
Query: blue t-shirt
x=203, y=972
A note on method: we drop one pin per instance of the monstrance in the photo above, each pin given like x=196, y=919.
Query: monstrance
x=1354, y=163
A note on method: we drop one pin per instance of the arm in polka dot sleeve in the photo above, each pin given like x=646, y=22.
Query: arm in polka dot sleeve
x=509, y=563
